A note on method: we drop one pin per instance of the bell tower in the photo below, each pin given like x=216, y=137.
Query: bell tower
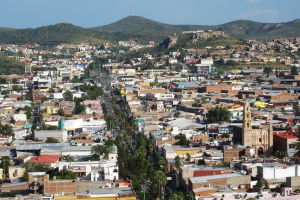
x=247, y=121
x=247, y=126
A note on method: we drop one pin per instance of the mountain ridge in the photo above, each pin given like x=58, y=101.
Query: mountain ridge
x=142, y=30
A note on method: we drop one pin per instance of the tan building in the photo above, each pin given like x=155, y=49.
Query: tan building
x=16, y=171
x=259, y=138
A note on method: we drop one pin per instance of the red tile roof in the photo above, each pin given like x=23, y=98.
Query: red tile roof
x=44, y=159
x=288, y=135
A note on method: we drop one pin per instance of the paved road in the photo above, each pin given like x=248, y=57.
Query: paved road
x=107, y=102
x=35, y=114
x=110, y=109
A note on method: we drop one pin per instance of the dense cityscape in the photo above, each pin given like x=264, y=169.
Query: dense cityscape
x=198, y=115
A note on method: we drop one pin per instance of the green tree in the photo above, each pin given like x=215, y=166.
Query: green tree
x=297, y=144
x=33, y=127
x=182, y=139
x=66, y=174
x=52, y=140
x=66, y=79
x=268, y=70
x=177, y=162
x=68, y=96
x=61, y=112
x=225, y=135
x=161, y=180
x=40, y=117
x=28, y=113
x=16, y=88
x=48, y=127
x=79, y=109
x=176, y=196
x=259, y=184
x=281, y=74
x=5, y=92
x=110, y=122
x=8, y=194
x=5, y=163
x=34, y=167
x=151, y=144
x=218, y=114
x=14, y=80
x=281, y=155
x=296, y=108
x=177, y=114
x=119, y=139
x=44, y=99
x=100, y=149
x=294, y=70
x=6, y=129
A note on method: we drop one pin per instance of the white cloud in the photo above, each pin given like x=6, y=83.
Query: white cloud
x=260, y=15
x=253, y=1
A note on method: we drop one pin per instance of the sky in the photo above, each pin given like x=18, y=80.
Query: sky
x=92, y=13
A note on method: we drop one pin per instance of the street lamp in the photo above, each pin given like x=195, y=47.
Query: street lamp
x=144, y=184
x=189, y=195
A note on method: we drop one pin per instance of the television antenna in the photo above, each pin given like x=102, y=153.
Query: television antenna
x=132, y=10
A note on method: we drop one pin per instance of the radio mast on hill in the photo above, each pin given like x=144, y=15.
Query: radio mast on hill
x=132, y=10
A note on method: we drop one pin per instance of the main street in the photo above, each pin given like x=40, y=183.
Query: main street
x=106, y=100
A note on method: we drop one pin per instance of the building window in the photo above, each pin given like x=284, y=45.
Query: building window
x=259, y=139
x=248, y=125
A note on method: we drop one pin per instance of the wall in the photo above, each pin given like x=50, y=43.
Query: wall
x=293, y=181
x=277, y=172
x=17, y=188
x=236, y=181
x=58, y=186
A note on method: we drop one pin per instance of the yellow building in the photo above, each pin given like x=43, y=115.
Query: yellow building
x=51, y=110
x=144, y=85
x=122, y=92
x=5, y=112
x=16, y=171
x=1, y=173
x=259, y=104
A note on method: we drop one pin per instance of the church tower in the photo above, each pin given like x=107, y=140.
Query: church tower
x=247, y=121
x=247, y=126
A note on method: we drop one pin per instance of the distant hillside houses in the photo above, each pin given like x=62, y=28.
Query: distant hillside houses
x=199, y=31
x=130, y=43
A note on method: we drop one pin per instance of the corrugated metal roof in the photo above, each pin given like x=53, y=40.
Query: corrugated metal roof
x=39, y=146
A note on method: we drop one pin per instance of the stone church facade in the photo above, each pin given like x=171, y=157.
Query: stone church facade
x=259, y=138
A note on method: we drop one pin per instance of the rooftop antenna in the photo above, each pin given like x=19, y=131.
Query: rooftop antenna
x=132, y=10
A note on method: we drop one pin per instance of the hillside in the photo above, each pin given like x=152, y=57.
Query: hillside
x=134, y=23
x=142, y=30
x=5, y=29
x=10, y=66
x=262, y=31
x=200, y=40
x=244, y=29
x=59, y=33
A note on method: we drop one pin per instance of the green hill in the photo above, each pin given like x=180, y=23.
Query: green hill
x=261, y=31
x=133, y=23
x=142, y=30
x=244, y=29
x=59, y=33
